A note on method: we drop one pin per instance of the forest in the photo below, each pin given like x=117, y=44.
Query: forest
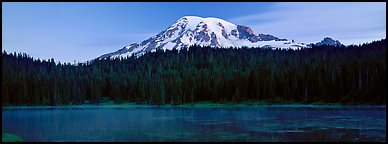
x=354, y=74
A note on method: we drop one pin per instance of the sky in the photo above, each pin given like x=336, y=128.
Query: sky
x=81, y=31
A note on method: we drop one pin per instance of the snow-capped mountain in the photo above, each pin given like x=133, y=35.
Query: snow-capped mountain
x=329, y=41
x=214, y=32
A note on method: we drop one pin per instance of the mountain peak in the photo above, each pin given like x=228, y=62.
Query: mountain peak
x=209, y=31
x=192, y=22
x=329, y=41
x=198, y=18
x=191, y=17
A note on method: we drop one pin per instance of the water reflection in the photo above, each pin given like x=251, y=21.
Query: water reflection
x=185, y=124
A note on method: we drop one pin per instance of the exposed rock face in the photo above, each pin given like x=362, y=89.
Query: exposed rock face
x=214, y=41
x=267, y=37
x=329, y=41
x=246, y=33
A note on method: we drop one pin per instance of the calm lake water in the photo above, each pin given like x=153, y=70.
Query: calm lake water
x=261, y=123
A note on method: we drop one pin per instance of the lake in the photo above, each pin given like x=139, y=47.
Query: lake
x=250, y=123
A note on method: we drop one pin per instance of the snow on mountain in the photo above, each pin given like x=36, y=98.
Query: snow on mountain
x=213, y=32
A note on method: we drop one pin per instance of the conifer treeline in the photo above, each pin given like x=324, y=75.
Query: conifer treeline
x=354, y=74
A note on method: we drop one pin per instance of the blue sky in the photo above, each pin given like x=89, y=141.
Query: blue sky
x=83, y=31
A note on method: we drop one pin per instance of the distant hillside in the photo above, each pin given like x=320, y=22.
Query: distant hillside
x=323, y=74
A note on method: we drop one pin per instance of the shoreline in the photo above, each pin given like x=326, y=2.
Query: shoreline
x=196, y=105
